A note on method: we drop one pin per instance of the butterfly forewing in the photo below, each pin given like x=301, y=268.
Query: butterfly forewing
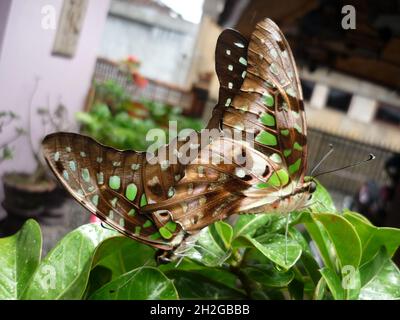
x=230, y=55
x=269, y=103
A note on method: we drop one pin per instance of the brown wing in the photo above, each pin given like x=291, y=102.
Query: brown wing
x=114, y=185
x=270, y=104
x=231, y=46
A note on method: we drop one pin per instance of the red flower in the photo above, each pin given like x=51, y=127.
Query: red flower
x=140, y=81
x=132, y=59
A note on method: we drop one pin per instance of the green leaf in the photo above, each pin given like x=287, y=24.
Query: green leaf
x=225, y=232
x=342, y=234
x=19, y=258
x=277, y=249
x=145, y=283
x=334, y=283
x=269, y=276
x=380, y=278
x=64, y=273
x=191, y=285
x=215, y=273
x=247, y=224
x=320, y=289
x=320, y=237
x=121, y=254
x=310, y=266
x=372, y=238
x=208, y=249
x=385, y=285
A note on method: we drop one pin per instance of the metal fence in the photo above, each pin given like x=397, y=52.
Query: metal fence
x=346, y=152
x=155, y=90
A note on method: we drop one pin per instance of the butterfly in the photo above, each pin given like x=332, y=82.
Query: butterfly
x=162, y=203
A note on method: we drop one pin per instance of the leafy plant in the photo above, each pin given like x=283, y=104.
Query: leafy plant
x=326, y=256
x=116, y=121
x=6, y=119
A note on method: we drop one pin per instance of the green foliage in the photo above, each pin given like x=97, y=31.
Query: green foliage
x=249, y=259
x=116, y=121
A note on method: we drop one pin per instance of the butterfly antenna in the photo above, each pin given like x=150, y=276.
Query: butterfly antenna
x=323, y=159
x=371, y=157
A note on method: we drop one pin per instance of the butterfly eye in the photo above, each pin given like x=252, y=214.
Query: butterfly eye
x=313, y=187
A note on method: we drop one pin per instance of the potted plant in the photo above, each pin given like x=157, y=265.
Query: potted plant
x=31, y=194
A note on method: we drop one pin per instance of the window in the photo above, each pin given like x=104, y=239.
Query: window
x=388, y=113
x=308, y=87
x=339, y=99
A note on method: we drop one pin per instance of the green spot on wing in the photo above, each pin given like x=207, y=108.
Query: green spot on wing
x=297, y=127
x=266, y=138
x=165, y=233
x=114, y=182
x=268, y=99
x=295, y=166
x=147, y=224
x=171, y=226
x=137, y=230
x=297, y=147
x=276, y=158
x=85, y=175
x=285, y=132
x=243, y=61
x=278, y=179
x=72, y=165
x=95, y=200
x=132, y=212
x=155, y=236
x=267, y=119
x=114, y=202
x=287, y=152
x=131, y=191
x=143, y=200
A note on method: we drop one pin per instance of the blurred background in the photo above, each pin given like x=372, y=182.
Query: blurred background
x=114, y=69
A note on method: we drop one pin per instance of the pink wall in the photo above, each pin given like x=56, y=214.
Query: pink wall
x=26, y=54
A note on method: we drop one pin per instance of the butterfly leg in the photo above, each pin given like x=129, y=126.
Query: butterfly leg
x=286, y=236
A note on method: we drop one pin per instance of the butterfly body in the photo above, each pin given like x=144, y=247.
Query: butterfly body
x=255, y=164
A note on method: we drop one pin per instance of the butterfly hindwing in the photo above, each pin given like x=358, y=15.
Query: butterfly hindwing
x=112, y=184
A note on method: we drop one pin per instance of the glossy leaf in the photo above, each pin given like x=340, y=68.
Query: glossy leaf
x=64, y=273
x=223, y=232
x=372, y=238
x=208, y=249
x=270, y=277
x=247, y=224
x=192, y=285
x=342, y=233
x=218, y=274
x=334, y=283
x=122, y=254
x=320, y=289
x=19, y=258
x=385, y=285
x=380, y=278
x=320, y=238
x=145, y=283
x=274, y=248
